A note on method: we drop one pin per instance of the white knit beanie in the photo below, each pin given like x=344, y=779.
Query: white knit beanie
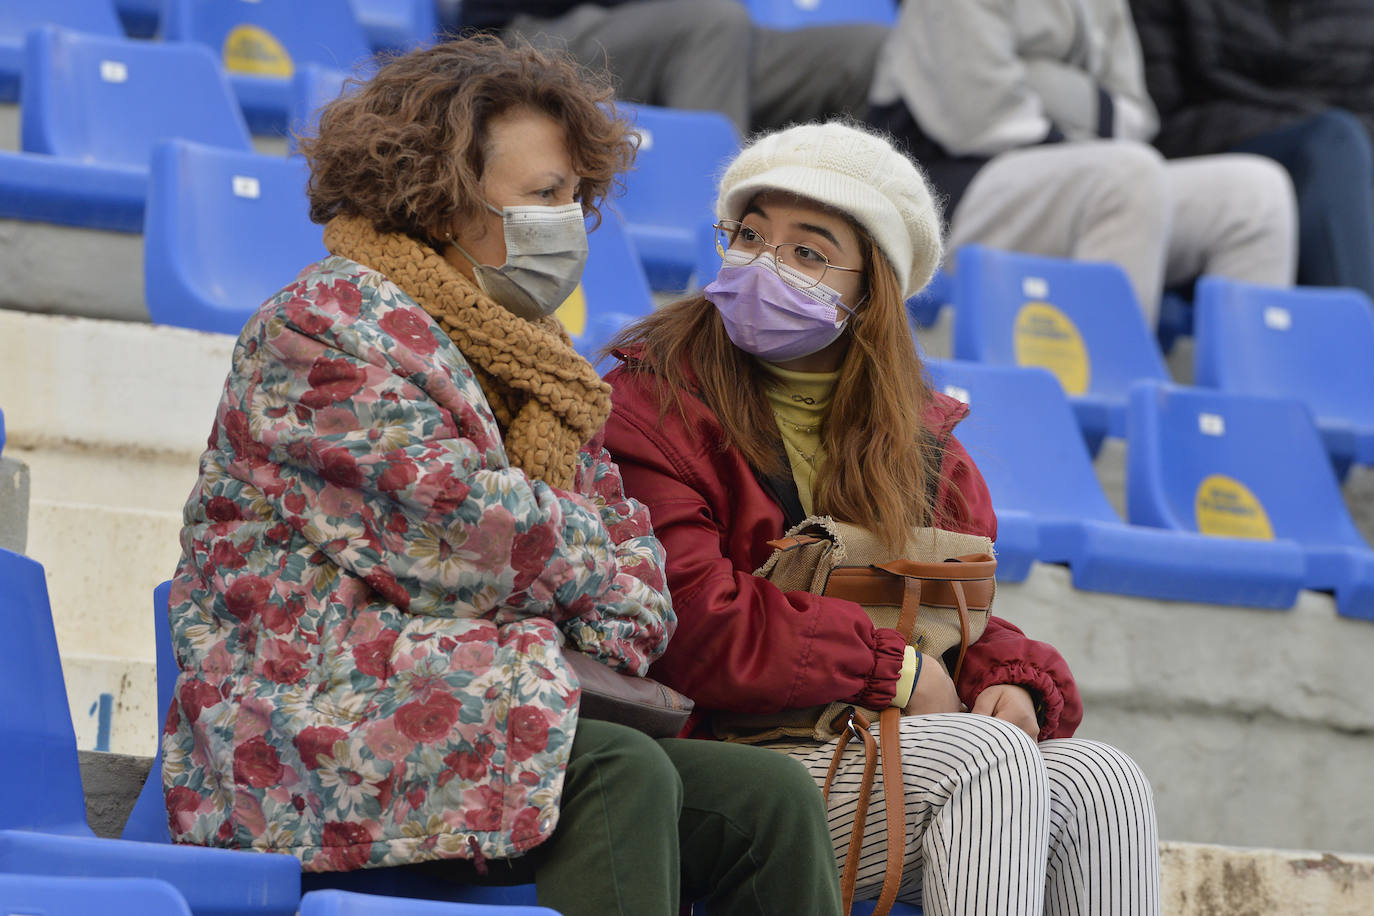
x=854, y=171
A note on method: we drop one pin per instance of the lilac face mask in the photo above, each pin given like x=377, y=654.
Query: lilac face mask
x=766, y=316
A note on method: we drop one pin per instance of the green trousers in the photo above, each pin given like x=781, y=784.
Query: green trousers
x=647, y=825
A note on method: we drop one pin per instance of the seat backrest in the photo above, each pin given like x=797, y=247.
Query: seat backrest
x=613, y=291
x=1022, y=435
x=681, y=153
x=1316, y=345
x=313, y=87
x=40, y=782
x=97, y=17
x=51, y=895
x=1232, y=465
x=108, y=100
x=1078, y=319
x=224, y=230
x=269, y=38
x=397, y=25
x=2, y=432
x=797, y=14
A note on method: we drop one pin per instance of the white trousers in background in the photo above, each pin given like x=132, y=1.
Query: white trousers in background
x=1000, y=825
x=1165, y=222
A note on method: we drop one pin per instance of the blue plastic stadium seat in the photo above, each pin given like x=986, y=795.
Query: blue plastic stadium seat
x=397, y=25
x=92, y=109
x=96, y=17
x=1080, y=320
x=2, y=432
x=225, y=230
x=613, y=291
x=313, y=87
x=140, y=18
x=923, y=309
x=796, y=14
x=261, y=44
x=1316, y=345
x=670, y=195
x=344, y=903
x=43, y=829
x=43, y=895
x=1247, y=468
x=1022, y=435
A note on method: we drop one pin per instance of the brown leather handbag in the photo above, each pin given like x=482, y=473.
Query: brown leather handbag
x=938, y=596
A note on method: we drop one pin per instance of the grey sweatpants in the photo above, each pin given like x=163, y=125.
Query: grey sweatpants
x=1165, y=222
x=707, y=54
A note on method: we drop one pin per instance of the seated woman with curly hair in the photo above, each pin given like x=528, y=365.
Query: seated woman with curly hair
x=405, y=518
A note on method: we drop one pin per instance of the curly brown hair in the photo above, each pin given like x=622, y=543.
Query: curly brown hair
x=406, y=150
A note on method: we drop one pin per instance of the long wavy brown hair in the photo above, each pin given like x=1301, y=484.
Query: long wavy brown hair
x=879, y=463
x=406, y=148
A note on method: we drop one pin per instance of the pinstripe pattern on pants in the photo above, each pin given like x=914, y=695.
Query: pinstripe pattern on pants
x=1001, y=826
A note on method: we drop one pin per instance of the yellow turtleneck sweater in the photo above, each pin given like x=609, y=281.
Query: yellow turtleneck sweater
x=800, y=402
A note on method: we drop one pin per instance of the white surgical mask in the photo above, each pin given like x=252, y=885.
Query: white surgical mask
x=546, y=250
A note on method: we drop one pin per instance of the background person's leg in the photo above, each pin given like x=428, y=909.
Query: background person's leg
x=1233, y=215
x=1329, y=159
x=753, y=832
x=1095, y=201
x=679, y=53
x=812, y=74
x=1104, y=844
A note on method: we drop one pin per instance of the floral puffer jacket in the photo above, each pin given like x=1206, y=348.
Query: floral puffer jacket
x=371, y=602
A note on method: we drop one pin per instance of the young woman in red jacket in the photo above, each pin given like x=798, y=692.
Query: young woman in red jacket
x=792, y=387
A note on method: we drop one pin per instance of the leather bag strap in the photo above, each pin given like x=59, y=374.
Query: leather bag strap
x=857, y=727
x=894, y=799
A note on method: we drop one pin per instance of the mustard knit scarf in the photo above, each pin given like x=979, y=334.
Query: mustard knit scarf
x=547, y=399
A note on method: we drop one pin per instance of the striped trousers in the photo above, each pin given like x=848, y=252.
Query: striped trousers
x=997, y=824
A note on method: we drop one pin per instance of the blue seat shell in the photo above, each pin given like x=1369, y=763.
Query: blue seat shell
x=1079, y=319
x=670, y=194
x=224, y=231
x=44, y=895
x=260, y=45
x=1022, y=435
x=800, y=14
x=1250, y=466
x=1309, y=343
x=96, y=17
x=93, y=108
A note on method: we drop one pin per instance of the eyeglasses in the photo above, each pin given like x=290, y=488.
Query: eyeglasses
x=808, y=265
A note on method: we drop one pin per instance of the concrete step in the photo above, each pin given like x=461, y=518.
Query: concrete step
x=1202, y=880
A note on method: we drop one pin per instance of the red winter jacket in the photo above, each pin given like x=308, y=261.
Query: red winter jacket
x=743, y=644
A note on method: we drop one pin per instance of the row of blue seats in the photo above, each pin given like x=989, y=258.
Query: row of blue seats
x=93, y=108
x=1081, y=322
x=1231, y=498
x=52, y=864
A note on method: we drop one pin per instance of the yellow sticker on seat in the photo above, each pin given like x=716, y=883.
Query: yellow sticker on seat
x=249, y=49
x=1046, y=337
x=1225, y=507
x=573, y=312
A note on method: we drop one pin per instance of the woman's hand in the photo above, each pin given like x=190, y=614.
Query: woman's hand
x=934, y=691
x=1011, y=704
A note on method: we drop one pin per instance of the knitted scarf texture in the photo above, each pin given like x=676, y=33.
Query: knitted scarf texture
x=547, y=399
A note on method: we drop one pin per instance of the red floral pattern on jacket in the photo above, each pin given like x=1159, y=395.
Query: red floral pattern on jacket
x=371, y=601
x=743, y=644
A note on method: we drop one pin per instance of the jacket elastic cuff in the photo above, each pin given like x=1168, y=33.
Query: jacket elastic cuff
x=1049, y=698
x=881, y=685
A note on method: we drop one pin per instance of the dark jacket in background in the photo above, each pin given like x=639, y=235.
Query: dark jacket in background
x=1224, y=71
x=497, y=14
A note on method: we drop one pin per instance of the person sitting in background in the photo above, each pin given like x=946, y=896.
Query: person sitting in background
x=405, y=517
x=701, y=54
x=791, y=387
x=1032, y=119
x=1294, y=82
